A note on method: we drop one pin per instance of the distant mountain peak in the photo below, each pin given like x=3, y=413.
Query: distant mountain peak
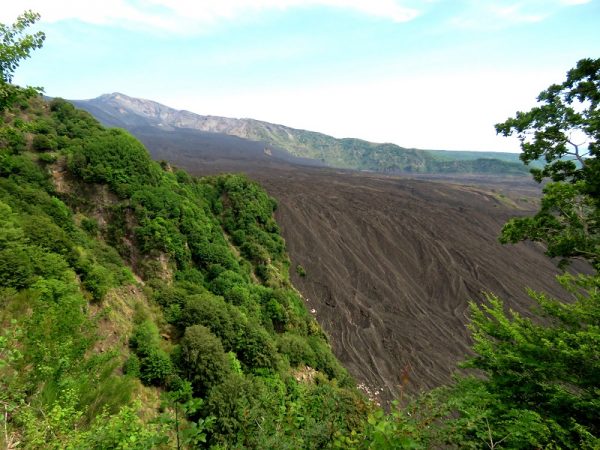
x=113, y=95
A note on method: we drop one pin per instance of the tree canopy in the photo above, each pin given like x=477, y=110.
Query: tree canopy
x=564, y=131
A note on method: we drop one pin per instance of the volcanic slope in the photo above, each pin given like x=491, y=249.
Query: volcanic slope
x=390, y=262
x=391, y=265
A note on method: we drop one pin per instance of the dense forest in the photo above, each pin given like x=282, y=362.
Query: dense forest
x=145, y=308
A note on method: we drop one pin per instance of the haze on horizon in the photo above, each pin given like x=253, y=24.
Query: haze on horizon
x=430, y=74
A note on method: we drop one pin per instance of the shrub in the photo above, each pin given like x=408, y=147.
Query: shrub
x=145, y=338
x=234, y=404
x=276, y=313
x=12, y=139
x=297, y=349
x=207, y=254
x=300, y=270
x=256, y=348
x=226, y=281
x=90, y=225
x=202, y=359
x=132, y=366
x=237, y=295
x=47, y=158
x=212, y=312
x=98, y=280
x=43, y=143
x=156, y=367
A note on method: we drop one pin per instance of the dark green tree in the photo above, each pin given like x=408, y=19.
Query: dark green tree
x=202, y=359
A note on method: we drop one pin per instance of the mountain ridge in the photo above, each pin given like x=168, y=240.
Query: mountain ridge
x=120, y=110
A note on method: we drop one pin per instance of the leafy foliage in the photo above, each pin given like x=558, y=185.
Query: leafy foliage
x=564, y=130
x=116, y=158
x=202, y=359
x=81, y=208
x=16, y=45
x=536, y=382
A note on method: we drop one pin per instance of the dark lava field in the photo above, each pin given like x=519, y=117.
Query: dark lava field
x=391, y=261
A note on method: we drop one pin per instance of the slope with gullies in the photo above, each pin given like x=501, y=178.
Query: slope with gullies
x=145, y=308
x=391, y=262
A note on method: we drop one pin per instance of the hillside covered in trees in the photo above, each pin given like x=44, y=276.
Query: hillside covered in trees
x=144, y=308
x=126, y=281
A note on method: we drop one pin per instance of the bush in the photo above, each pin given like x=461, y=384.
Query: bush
x=132, y=366
x=275, y=313
x=300, y=271
x=256, y=349
x=226, y=281
x=90, y=225
x=235, y=404
x=43, y=143
x=47, y=158
x=98, y=280
x=207, y=254
x=156, y=367
x=212, y=312
x=202, y=359
x=237, y=295
x=16, y=267
x=145, y=339
x=297, y=349
x=12, y=139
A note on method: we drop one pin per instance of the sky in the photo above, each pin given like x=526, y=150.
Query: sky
x=430, y=74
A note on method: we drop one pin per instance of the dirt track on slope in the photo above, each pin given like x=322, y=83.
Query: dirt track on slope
x=392, y=262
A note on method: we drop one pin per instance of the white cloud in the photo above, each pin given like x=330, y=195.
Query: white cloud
x=187, y=16
x=498, y=14
x=517, y=12
x=575, y=2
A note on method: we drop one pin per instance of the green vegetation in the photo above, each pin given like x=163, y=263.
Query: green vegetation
x=536, y=382
x=144, y=308
x=363, y=155
x=300, y=270
x=565, y=131
x=215, y=307
x=16, y=45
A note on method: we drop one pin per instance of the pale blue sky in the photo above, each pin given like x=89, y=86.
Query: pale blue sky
x=426, y=74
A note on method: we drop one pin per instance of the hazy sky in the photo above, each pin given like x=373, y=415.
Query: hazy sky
x=433, y=74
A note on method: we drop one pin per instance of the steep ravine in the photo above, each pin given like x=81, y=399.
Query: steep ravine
x=391, y=262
